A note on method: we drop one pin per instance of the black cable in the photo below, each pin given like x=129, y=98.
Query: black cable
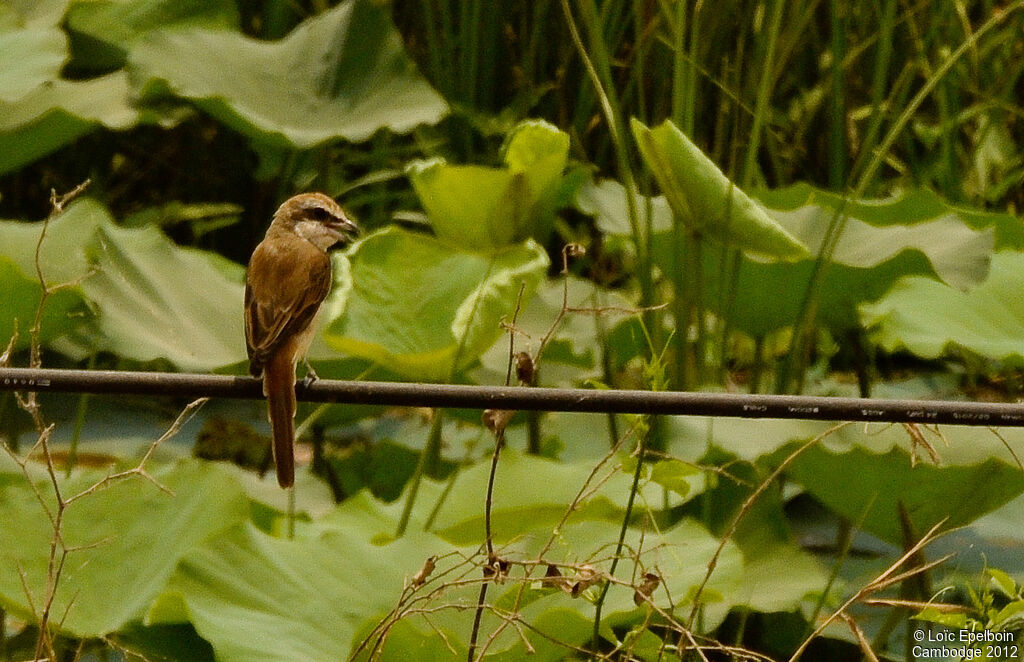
x=518, y=397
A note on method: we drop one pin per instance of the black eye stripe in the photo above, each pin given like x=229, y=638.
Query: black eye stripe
x=320, y=214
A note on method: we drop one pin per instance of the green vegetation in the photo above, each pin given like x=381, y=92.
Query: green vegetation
x=809, y=196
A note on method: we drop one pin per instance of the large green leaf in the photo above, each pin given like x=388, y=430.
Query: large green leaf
x=909, y=208
x=469, y=204
x=703, y=198
x=931, y=319
x=423, y=309
x=31, y=13
x=778, y=574
x=693, y=437
x=876, y=487
x=532, y=492
x=62, y=255
x=54, y=115
x=574, y=347
x=487, y=208
x=778, y=577
x=65, y=308
x=557, y=627
x=104, y=30
x=61, y=261
x=606, y=202
x=531, y=497
x=1001, y=537
x=259, y=598
x=39, y=111
x=878, y=230
x=151, y=299
x=32, y=56
x=159, y=301
x=127, y=539
x=881, y=242
x=680, y=555
x=856, y=467
x=254, y=597
x=340, y=74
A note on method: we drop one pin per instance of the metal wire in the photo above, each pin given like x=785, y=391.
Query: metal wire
x=517, y=397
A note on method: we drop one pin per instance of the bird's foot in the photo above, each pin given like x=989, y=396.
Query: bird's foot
x=311, y=375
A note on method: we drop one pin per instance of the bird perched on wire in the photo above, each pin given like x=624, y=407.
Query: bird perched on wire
x=288, y=277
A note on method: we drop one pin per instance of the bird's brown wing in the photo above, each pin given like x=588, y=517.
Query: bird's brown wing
x=296, y=277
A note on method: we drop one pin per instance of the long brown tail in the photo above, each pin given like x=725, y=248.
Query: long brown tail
x=279, y=387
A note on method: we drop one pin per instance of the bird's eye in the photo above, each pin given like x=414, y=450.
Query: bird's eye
x=320, y=214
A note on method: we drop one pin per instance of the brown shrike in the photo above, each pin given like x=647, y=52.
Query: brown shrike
x=289, y=276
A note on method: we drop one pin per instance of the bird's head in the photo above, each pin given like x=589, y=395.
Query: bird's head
x=316, y=218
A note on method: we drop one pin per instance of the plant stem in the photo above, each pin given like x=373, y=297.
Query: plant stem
x=599, y=605
x=431, y=450
x=471, y=652
x=764, y=90
x=76, y=433
x=878, y=84
x=602, y=82
x=291, y=512
x=837, y=153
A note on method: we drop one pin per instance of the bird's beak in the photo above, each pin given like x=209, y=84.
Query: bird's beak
x=344, y=228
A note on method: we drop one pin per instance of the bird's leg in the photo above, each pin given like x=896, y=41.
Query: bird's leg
x=311, y=375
